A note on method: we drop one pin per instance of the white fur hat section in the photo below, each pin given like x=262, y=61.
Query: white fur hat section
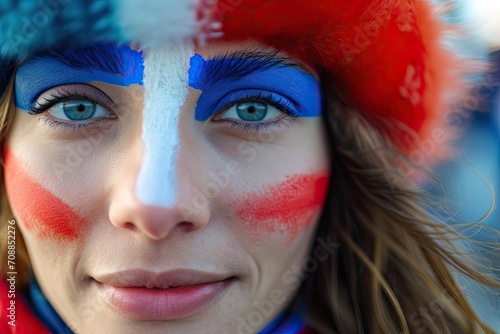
x=154, y=23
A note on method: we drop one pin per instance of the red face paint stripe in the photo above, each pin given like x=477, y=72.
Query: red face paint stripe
x=38, y=209
x=290, y=205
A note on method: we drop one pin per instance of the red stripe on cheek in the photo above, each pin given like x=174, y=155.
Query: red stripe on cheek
x=39, y=210
x=290, y=205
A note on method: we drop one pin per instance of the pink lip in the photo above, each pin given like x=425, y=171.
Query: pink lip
x=144, y=295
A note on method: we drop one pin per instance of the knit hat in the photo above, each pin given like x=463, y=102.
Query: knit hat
x=383, y=57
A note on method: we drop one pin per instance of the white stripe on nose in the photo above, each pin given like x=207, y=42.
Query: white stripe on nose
x=165, y=91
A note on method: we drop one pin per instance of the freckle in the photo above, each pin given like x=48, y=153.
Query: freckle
x=286, y=207
x=38, y=209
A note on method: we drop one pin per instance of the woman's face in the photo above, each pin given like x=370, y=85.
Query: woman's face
x=180, y=196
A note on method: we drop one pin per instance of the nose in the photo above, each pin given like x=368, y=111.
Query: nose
x=155, y=196
x=156, y=222
x=189, y=212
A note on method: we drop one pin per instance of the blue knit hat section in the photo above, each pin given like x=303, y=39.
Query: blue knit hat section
x=28, y=26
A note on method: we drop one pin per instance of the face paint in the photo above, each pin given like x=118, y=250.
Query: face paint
x=39, y=210
x=165, y=92
x=287, y=206
x=224, y=81
x=166, y=75
x=104, y=63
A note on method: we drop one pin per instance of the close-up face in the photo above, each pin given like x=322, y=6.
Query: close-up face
x=167, y=190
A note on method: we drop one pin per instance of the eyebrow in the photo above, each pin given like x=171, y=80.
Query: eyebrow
x=123, y=61
x=236, y=65
x=108, y=58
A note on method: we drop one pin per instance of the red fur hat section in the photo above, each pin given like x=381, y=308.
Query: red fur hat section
x=385, y=57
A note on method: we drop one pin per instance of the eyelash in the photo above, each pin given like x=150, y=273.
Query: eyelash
x=59, y=97
x=38, y=108
x=254, y=127
x=278, y=102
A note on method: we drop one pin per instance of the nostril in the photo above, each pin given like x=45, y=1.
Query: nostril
x=129, y=226
x=187, y=226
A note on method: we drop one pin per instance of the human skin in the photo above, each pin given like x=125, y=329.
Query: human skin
x=89, y=176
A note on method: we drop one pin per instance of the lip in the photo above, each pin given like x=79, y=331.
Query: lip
x=145, y=295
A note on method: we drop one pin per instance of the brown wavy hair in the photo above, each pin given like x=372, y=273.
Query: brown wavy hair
x=394, y=259
x=393, y=270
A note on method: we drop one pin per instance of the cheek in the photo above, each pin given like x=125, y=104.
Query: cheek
x=40, y=212
x=289, y=206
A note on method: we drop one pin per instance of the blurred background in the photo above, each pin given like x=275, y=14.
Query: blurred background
x=471, y=182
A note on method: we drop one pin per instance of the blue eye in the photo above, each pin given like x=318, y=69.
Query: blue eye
x=78, y=110
x=251, y=111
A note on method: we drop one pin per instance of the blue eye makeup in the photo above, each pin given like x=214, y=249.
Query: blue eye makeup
x=261, y=82
x=252, y=88
x=120, y=66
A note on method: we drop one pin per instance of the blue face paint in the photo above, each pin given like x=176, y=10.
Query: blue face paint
x=227, y=80
x=120, y=66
